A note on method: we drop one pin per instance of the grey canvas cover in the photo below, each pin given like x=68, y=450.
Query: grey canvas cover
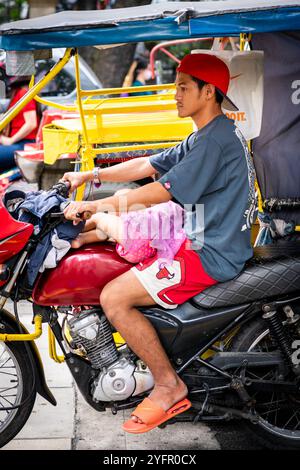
x=277, y=149
x=84, y=19
x=154, y=22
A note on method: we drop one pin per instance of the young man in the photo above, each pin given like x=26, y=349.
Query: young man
x=209, y=173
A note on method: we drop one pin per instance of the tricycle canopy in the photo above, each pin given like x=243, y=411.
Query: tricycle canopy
x=156, y=22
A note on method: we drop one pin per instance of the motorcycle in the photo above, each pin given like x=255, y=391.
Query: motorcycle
x=234, y=345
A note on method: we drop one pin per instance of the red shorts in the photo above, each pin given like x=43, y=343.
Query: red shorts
x=171, y=285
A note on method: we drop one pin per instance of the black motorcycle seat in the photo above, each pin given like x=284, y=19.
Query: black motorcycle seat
x=273, y=271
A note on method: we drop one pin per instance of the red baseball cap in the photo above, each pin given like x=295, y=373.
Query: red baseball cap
x=210, y=69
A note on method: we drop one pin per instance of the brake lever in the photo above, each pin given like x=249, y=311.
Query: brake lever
x=61, y=214
x=53, y=215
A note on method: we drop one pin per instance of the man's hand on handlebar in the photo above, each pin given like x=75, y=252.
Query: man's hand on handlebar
x=78, y=211
x=75, y=178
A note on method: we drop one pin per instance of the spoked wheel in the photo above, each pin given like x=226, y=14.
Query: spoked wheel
x=16, y=387
x=278, y=411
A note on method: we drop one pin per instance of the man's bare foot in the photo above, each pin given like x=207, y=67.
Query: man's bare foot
x=166, y=396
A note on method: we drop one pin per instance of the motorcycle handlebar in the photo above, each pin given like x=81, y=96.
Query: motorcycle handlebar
x=62, y=188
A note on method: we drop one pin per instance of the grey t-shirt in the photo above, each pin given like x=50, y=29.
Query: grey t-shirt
x=211, y=174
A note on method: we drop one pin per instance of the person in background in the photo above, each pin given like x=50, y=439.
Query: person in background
x=23, y=128
x=138, y=74
x=142, y=74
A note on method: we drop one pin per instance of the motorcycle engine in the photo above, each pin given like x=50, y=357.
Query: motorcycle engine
x=119, y=377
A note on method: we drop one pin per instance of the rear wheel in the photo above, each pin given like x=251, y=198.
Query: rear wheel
x=279, y=412
x=16, y=386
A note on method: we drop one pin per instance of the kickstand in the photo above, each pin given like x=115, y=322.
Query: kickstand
x=198, y=415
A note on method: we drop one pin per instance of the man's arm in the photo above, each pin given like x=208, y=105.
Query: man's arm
x=131, y=170
x=136, y=199
x=145, y=196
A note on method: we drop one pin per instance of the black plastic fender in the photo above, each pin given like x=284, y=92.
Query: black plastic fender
x=8, y=324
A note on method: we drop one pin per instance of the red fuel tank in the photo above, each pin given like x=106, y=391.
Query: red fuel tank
x=13, y=234
x=80, y=276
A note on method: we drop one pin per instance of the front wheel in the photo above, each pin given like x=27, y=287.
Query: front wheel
x=279, y=412
x=16, y=386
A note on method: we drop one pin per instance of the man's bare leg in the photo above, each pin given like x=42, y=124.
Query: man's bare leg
x=118, y=299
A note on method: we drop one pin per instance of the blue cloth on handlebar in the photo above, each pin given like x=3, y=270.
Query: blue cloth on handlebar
x=39, y=203
x=36, y=205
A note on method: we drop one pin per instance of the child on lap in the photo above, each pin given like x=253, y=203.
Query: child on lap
x=139, y=234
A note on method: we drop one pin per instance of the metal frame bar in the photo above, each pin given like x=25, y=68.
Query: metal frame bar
x=52, y=347
x=27, y=336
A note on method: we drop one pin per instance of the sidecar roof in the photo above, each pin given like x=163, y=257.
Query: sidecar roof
x=154, y=22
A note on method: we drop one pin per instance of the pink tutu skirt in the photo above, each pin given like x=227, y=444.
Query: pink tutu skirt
x=154, y=230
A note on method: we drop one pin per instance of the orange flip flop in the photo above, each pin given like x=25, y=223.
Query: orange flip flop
x=153, y=415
